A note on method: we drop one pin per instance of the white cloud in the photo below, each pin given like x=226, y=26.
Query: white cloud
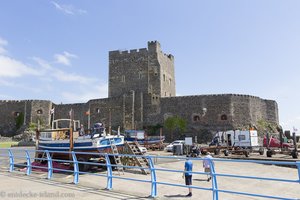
x=2, y=50
x=68, y=9
x=6, y=83
x=44, y=64
x=10, y=67
x=2, y=44
x=64, y=58
x=4, y=96
x=16, y=84
x=45, y=74
x=60, y=75
x=86, y=93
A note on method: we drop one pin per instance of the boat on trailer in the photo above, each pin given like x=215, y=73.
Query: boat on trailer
x=64, y=136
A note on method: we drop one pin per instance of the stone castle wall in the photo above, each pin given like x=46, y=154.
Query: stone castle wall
x=142, y=93
x=128, y=71
x=216, y=112
x=145, y=70
x=33, y=111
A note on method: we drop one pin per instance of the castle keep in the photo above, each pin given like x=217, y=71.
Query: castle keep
x=142, y=93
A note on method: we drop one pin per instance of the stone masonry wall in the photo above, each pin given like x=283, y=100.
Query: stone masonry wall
x=142, y=93
x=128, y=71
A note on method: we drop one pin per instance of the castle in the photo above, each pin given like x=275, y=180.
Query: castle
x=142, y=93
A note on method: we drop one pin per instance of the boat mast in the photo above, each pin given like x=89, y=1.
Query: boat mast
x=71, y=129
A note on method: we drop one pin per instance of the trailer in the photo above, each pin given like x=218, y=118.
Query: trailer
x=277, y=146
x=241, y=142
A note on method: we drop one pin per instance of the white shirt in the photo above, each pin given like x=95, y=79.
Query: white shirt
x=206, y=161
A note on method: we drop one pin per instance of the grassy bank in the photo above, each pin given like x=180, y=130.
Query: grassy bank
x=7, y=144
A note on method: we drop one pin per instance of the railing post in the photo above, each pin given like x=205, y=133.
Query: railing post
x=50, y=167
x=109, y=173
x=214, y=180
x=28, y=171
x=11, y=160
x=298, y=166
x=153, y=178
x=76, y=168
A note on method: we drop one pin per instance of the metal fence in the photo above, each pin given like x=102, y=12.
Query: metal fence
x=12, y=154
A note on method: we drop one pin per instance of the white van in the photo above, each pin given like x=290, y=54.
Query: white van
x=169, y=148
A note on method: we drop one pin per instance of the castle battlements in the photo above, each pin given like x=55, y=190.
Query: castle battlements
x=153, y=46
x=218, y=95
x=127, y=52
x=21, y=101
x=141, y=92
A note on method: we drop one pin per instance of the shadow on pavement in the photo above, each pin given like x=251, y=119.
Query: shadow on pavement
x=175, y=196
x=198, y=179
x=84, y=190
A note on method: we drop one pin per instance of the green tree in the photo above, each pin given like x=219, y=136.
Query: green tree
x=263, y=126
x=175, y=123
x=32, y=126
x=153, y=129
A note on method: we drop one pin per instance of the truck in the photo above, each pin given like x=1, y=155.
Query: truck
x=235, y=142
x=276, y=145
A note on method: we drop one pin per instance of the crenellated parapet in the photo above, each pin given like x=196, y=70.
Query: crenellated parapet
x=128, y=52
x=219, y=95
x=142, y=93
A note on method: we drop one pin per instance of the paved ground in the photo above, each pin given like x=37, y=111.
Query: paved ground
x=16, y=185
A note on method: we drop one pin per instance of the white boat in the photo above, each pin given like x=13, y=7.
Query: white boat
x=65, y=139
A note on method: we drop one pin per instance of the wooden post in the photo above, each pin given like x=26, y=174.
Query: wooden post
x=109, y=128
x=37, y=139
x=71, y=134
x=160, y=139
x=71, y=139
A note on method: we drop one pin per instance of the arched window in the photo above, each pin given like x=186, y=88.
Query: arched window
x=97, y=110
x=223, y=117
x=39, y=112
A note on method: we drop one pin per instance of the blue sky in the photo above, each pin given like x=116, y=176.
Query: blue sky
x=58, y=50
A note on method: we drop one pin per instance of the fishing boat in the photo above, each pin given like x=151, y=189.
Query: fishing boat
x=64, y=136
x=142, y=138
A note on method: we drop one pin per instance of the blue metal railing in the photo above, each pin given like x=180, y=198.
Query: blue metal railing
x=74, y=162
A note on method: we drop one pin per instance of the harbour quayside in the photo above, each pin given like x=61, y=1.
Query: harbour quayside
x=64, y=136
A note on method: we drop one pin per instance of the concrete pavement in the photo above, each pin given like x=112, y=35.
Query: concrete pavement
x=93, y=187
x=17, y=185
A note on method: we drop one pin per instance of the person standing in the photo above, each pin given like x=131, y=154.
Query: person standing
x=188, y=168
x=81, y=130
x=207, y=162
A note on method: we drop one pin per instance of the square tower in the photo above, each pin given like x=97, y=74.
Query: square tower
x=148, y=71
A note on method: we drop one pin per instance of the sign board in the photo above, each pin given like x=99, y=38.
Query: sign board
x=189, y=141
